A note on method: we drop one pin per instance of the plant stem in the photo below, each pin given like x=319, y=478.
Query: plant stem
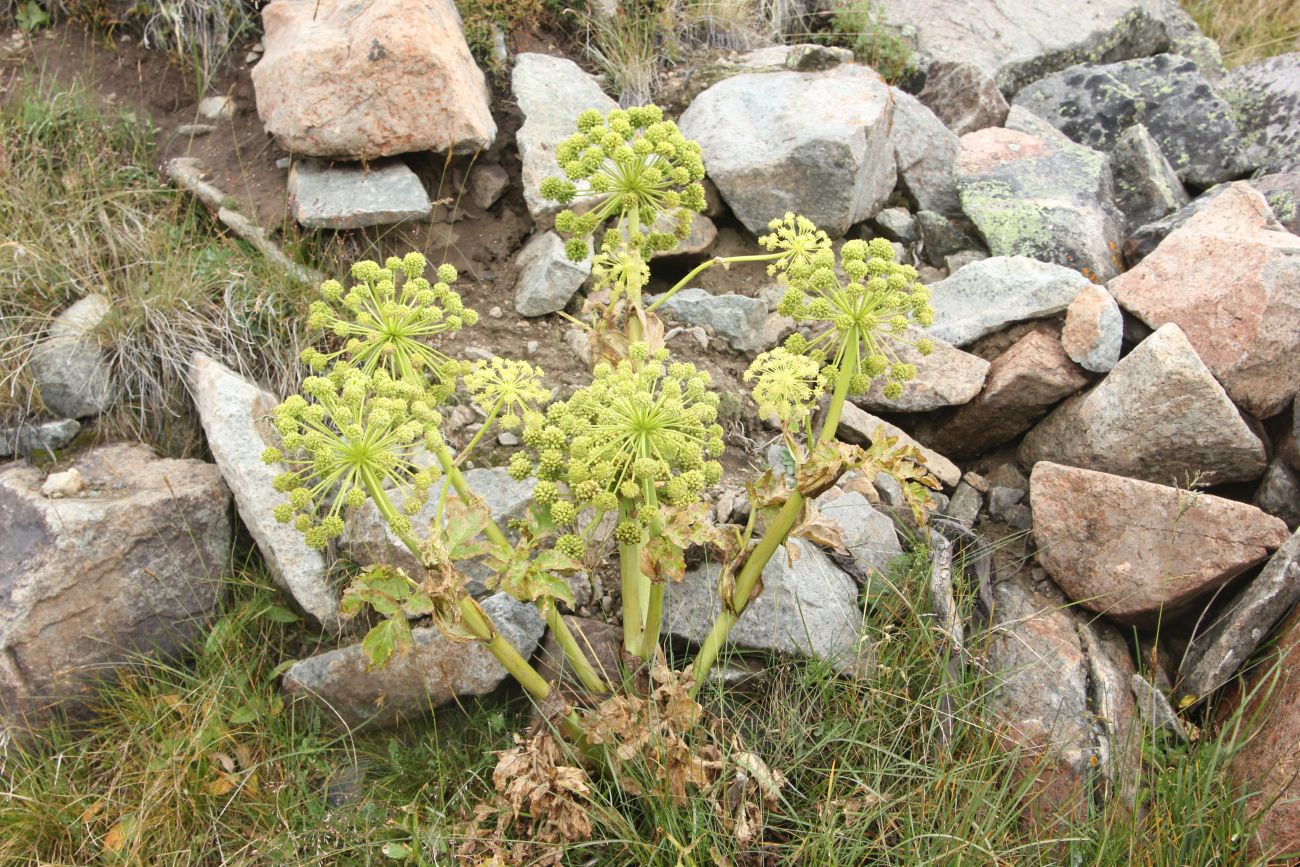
x=574, y=654
x=772, y=539
x=706, y=265
x=654, y=599
x=449, y=468
x=487, y=423
x=629, y=568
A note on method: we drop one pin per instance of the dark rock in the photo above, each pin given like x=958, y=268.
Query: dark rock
x=963, y=97
x=1266, y=96
x=1146, y=186
x=941, y=238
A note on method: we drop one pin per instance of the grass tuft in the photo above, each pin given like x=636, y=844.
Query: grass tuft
x=1248, y=30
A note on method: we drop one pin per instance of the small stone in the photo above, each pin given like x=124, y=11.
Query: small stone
x=217, y=107
x=1019, y=517
x=1279, y=492
x=1008, y=475
x=954, y=262
x=195, y=129
x=976, y=481
x=252, y=57
x=965, y=505
x=1002, y=500
x=859, y=427
x=351, y=196
x=897, y=224
x=580, y=343
x=1156, y=710
x=548, y=279
x=985, y=296
x=1146, y=186
x=738, y=319
x=1136, y=551
x=963, y=97
x=702, y=236
x=41, y=437
x=532, y=347
x=940, y=238
x=869, y=536
x=487, y=184
x=1094, y=330
x=496, y=312
x=506, y=438
x=70, y=369
x=68, y=483
x=945, y=377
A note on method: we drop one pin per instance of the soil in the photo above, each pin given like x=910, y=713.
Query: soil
x=240, y=158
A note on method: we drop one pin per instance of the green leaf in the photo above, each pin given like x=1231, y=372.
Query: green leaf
x=247, y=713
x=278, y=614
x=465, y=523
x=396, y=851
x=384, y=639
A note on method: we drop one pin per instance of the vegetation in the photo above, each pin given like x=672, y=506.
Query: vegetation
x=1248, y=30
x=859, y=26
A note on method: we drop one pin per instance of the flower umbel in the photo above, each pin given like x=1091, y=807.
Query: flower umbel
x=387, y=325
x=785, y=384
x=506, y=390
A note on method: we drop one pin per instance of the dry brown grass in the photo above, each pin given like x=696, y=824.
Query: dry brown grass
x=1249, y=30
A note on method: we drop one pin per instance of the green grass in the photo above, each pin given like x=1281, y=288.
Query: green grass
x=1248, y=30
x=81, y=211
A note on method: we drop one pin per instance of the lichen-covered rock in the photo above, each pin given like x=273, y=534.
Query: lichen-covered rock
x=68, y=365
x=1230, y=279
x=1094, y=329
x=436, y=670
x=987, y=295
x=351, y=196
x=1094, y=104
x=815, y=143
x=1040, y=197
x=925, y=150
x=1146, y=186
x=131, y=562
x=1159, y=415
x=547, y=278
x=551, y=92
x=962, y=96
x=945, y=377
x=362, y=81
x=1135, y=550
x=1266, y=96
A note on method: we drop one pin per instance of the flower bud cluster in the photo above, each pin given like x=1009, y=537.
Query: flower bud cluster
x=359, y=431
x=642, y=168
x=785, y=384
x=507, y=389
x=387, y=318
x=643, y=432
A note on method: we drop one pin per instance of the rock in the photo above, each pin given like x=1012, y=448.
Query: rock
x=945, y=377
x=601, y=642
x=1017, y=42
x=859, y=427
x=363, y=82
x=436, y=670
x=551, y=92
x=68, y=366
x=1023, y=384
x=235, y=417
x=1093, y=104
x=1137, y=551
x=869, y=536
x=1003, y=499
x=351, y=196
x=954, y=262
x=1094, y=330
x=1159, y=415
x=737, y=319
x=1266, y=97
x=1267, y=764
x=941, y=239
x=985, y=296
x=816, y=143
x=1040, y=197
x=43, y=436
x=548, y=279
x=195, y=129
x=367, y=539
x=925, y=151
x=1187, y=40
x=1156, y=711
x=487, y=184
x=965, y=505
x=1226, y=642
x=68, y=483
x=1279, y=492
x=1146, y=186
x=962, y=96
x=700, y=240
x=130, y=565
x=1245, y=325
x=897, y=224
x=217, y=107
x=807, y=607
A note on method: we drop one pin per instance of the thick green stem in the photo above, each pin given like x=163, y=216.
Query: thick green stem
x=574, y=654
x=487, y=423
x=706, y=265
x=629, y=569
x=654, y=619
x=773, y=538
x=448, y=464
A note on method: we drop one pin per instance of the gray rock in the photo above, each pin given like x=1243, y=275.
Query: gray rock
x=1093, y=104
x=956, y=261
x=1019, y=41
x=963, y=97
x=130, y=566
x=1146, y=186
x=1157, y=712
x=941, y=238
x=436, y=670
x=702, y=237
x=195, y=129
x=367, y=539
x=815, y=143
x=897, y=224
x=965, y=505
x=551, y=92
x=869, y=536
x=217, y=107
x=1282, y=192
x=859, y=427
x=945, y=377
x=738, y=319
x=1279, y=492
x=1159, y=415
x=1042, y=197
x=1019, y=517
x=43, y=436
x=1187, y=40
x=805, y=57
x=1002, y=500
x=235, y=415
x=1225, y=643
x=487, y=184
x=548, y=279
x=985, y=296
x=351, y=196
x=68, y=366
x=925, y=150
x=1094, y=330
x=1266, y=97
x=807, y=607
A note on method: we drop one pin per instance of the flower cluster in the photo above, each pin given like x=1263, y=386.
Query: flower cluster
x=642, y=433
x=785, y=384
x=644, y=170
x=865, y=318
x=358, y=434
x=387, y=325
x=506, y=390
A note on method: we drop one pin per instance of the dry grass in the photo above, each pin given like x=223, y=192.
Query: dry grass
x=1248, y=30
